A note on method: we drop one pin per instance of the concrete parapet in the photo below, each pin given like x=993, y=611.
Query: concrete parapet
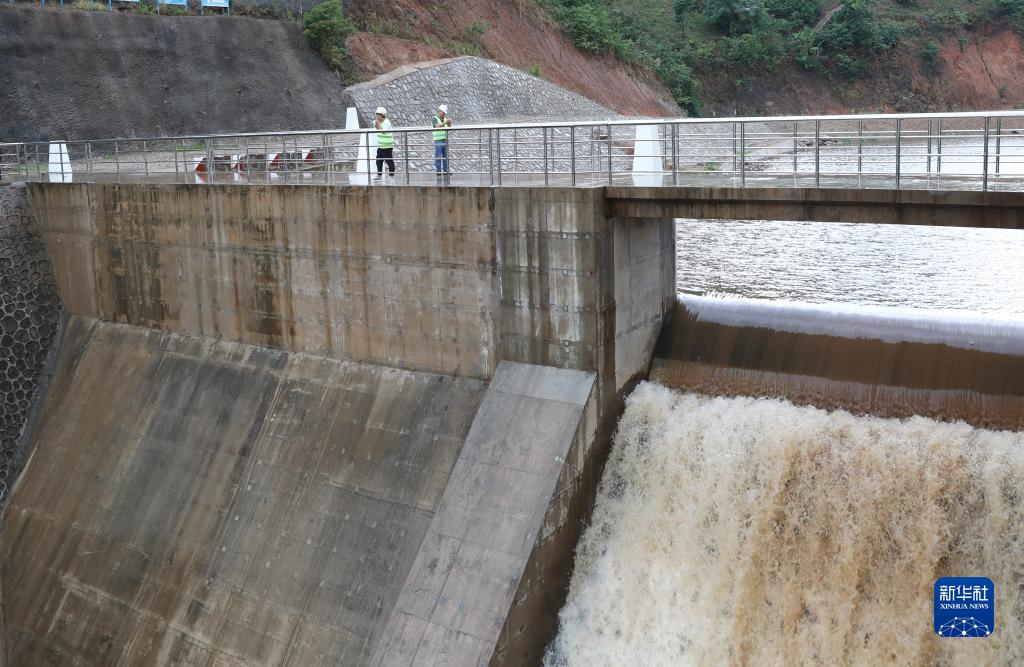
x=448, y=280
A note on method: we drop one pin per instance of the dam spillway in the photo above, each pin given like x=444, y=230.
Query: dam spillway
x=425, y=379
x=311, y=425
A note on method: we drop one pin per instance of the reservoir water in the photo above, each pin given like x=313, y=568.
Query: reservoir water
x=971, y=271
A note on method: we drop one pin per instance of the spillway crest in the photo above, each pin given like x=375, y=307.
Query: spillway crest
x=752, y=531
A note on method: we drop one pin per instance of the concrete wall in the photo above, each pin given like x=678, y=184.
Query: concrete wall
x=457, y=281
x=448, y=280
x=189, y=501
x=30, y=310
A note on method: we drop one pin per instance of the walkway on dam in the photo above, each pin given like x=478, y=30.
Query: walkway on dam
x=955, y=151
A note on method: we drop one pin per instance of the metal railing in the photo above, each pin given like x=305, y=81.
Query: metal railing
x=971, y=151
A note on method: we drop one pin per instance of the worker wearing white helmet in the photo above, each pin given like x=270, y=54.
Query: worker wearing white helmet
x=440, y=135
x=385, y=144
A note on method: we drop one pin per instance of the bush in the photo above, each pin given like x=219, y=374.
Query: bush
x=751, y=54
x=683, y=7
x=794, y=14
x=735, y=17
x=678, y=78
x=1012, y=11
x=806, y=51
x=591, y=28
x=929, y=55
x=327, y=28
x=536, y=71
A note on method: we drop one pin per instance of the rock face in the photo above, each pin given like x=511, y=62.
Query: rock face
x=30, y=310
x=475, y=90
x=68, y=74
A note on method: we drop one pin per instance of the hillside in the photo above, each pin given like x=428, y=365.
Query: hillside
x=517, y=33
x=797, y=56
x=74, y=74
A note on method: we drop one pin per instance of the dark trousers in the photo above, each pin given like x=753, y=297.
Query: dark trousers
x=385, y=155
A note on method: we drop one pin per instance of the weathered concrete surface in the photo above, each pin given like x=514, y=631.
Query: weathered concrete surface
x=30, y=311
x=904, y=207
x=500, y=502
x=198, y=502
x=448, y=280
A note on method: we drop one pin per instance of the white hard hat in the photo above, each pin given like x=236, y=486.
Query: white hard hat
x=443, y=108
x=382, y=111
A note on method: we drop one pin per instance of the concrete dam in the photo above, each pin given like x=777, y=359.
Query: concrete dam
x=315, y=424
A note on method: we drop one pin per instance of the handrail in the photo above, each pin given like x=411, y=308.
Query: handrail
x=973, y=150
x=577, y=124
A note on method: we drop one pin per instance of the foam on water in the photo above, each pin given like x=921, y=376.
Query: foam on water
x=890, y=324
x=752, y=531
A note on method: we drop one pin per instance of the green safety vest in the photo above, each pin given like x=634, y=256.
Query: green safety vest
x=439, y=133
x=385, y=139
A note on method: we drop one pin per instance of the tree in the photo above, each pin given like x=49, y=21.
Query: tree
x=735, y=17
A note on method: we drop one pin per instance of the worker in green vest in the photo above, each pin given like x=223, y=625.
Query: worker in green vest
x=440, y=124
x=385, y=145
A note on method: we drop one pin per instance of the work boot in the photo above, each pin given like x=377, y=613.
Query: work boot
x=390, y=180
x=377, y=178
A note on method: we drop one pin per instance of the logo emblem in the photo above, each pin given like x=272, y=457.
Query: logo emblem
x=964, y=607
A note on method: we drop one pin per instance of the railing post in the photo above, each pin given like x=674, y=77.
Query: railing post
x=117, y=162
x=88, y=159
x=572, y=155
x=743, y=155
x=675, y=153
x=371, y=160
x=209, y=160
x=938, y=151
x=497, y=150
x=899, y=151
x=734, y=148
x=796, y=150
x=405, y=154
x=984, y=181
x=609, y=154
x=999, y=143
x=174, y=149
x=817, y=153
x=324, y=142
x=490, y=154
x=145, y=159
x=544, y=130
x=860, y=150
x=931, y=128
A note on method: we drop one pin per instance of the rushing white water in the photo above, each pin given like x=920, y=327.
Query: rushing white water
x=755, y=532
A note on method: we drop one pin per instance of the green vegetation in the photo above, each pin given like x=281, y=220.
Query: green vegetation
x=88, y=5
x=690, y=42
x=327, y=28
x=536, y=71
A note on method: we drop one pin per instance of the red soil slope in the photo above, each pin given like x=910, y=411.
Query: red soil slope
x=517, y=33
